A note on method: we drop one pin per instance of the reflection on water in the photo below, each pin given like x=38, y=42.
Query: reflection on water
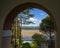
x=25, y=38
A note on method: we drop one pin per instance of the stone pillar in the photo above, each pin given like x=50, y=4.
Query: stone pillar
x=6, y=41
x=57, y=41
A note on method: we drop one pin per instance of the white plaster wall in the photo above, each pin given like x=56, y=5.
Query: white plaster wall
x=52, y=5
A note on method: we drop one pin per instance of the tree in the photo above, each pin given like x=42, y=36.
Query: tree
x=47, y=26
x=26, y=45
x=22, y=18
x=38, y=39
x=15, y=33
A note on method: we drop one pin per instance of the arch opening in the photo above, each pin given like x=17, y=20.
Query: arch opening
x=11, y=16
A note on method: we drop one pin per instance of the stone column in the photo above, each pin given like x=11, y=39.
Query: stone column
x=6, y=41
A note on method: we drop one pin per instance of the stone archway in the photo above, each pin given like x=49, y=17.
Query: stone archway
x=10, y=17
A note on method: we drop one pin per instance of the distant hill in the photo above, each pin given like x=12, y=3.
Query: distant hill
x=30, y=27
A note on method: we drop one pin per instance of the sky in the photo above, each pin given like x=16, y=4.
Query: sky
x=38, y=16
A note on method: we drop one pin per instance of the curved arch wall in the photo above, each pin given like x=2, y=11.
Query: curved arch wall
x=9, y=6
x=10, y=17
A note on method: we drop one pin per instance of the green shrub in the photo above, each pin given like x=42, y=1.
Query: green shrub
x=26, y=45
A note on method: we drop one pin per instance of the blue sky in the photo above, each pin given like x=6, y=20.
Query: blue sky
x=38, y=16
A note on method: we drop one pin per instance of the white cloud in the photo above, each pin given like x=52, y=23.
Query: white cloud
x=33, y=20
